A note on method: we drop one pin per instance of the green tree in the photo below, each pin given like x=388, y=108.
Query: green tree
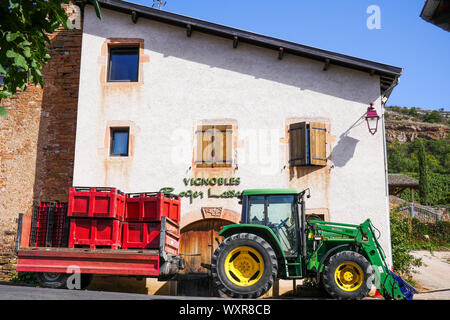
x=402, y=246
x=24, y=25
x=424, y=183
x=433, y=117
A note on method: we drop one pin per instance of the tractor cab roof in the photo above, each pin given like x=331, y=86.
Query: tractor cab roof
x=261, y=192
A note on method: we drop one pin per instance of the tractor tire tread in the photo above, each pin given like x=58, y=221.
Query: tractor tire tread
x=227, y=242
x=328, y=275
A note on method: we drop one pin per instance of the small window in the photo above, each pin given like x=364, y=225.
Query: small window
x=256, y=210
x=307, y=146
x=214, y=146
x=123, y=64
x=119, y=141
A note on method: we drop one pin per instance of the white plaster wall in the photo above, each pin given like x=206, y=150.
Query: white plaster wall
x=202, y=78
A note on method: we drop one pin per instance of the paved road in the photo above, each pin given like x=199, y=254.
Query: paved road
x=21, y=292
x=433, y=275
x=11, y=291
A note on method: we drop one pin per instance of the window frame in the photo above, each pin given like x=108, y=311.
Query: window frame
x=114, y=130
x=123, y=47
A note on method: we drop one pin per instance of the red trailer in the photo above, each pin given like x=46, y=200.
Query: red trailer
x=54, y=265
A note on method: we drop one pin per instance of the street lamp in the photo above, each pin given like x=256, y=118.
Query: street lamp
x=372, y=118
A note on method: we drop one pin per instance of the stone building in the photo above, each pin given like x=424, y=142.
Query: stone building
x=145, y=99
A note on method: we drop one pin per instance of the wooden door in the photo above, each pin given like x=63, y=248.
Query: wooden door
x=197, y=244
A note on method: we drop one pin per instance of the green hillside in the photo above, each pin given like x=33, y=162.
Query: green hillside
x=404, y=158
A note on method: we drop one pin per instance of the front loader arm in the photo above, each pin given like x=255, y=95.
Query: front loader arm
x=390, y=285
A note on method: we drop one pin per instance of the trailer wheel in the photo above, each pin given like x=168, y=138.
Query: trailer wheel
x=347, y=275
x=244, y=265
x=59, y=280
x=52, y=280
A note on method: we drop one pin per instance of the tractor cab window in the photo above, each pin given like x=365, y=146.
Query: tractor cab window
x=278, y=213
x=256, y=210
x=281, y=219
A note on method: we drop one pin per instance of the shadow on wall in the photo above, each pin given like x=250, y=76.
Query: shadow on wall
x=299, y=172
x=343, y=151
x=217, y=52
x=57, y=127
x=345, y=148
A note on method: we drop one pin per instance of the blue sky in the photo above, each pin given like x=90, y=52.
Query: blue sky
x=405, y=40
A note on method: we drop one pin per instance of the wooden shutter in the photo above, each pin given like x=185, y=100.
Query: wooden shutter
x=317, y=138
x=297, y=144
x=222, y=146
x=204, y=146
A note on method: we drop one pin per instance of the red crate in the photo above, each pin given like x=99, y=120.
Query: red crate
x=147, y=207
x=147, y=235
x=60, y=217
x=42, y=221
x=87, y=202
x=95, y=233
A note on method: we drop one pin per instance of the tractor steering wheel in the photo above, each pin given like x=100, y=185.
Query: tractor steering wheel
x=282, y=223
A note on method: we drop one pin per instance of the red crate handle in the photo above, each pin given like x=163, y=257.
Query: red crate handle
x=97, y=189
x=134, y=195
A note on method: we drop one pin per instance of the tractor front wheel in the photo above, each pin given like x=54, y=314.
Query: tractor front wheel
x=347, y=275
x=244, y=265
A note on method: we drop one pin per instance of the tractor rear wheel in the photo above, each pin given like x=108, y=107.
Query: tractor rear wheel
x=347, y=275
x=244, y=265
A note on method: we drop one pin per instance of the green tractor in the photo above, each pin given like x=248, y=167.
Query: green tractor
x=276, y=240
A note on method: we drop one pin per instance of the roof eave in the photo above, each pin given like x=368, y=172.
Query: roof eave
x=388, y=74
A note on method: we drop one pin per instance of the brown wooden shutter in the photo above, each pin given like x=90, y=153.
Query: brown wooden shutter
x=205, y=147
x=222, y=146
x=317, y=141
x=297, y=144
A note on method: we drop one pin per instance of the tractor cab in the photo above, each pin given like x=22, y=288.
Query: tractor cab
x=277, y=209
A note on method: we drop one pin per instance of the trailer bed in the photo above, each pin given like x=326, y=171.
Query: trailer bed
x=160, y=263
x=91, y=261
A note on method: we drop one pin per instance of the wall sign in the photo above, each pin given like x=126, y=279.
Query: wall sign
x=203, y=182
x=212, y=212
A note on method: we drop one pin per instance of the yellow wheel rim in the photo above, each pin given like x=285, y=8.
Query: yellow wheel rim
x=349, y=276
x=244, y=266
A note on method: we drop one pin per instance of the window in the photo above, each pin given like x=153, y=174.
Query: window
x=119, y=141
x=123, y=63
x=278, y=212
x=214, y=146
x=307, y=144
x=256, y=210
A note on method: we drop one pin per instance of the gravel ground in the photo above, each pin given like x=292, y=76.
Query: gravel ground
x=434, y=275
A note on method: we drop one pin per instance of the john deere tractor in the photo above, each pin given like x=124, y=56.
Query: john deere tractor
x=276, y=240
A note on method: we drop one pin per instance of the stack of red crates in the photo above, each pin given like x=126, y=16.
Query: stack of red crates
x=59, y=224
x=48, y=225
x=41, y=223
x=96, y=216
x=143, y=216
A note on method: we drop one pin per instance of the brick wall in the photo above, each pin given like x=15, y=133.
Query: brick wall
x=37, y=140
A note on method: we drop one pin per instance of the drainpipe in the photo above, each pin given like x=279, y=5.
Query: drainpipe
x=386, y=178
x=386, y=173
